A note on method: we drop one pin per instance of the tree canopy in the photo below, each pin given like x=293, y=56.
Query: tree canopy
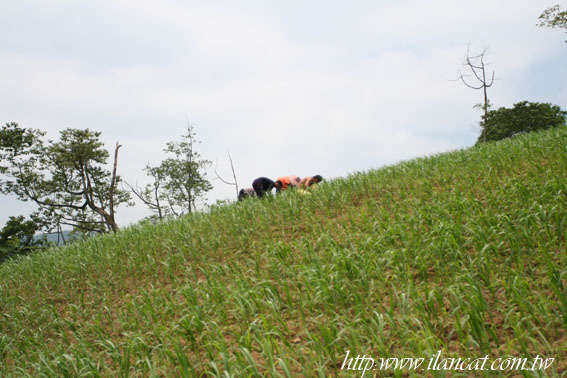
x=554, y=18
x=524, y=117
x=67, y=179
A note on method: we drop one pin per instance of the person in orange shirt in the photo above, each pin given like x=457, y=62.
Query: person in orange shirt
x=285, y=182
x=308, y=181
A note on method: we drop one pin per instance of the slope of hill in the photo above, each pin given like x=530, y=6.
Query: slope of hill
x=462, y=253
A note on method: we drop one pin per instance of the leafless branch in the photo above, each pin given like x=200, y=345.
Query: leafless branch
x=113, y=181
x=153, y=206
x=235, y=183
x=137, y=192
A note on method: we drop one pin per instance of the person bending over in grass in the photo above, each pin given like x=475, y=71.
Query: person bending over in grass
x=286, y=182
x=262, y=185
x=245, y=193
x=308, y=181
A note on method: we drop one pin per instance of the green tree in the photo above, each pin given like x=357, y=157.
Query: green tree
x=66, y=179
x=17, y=237
x=179, y=181
x=554, y=18
x=524, y=117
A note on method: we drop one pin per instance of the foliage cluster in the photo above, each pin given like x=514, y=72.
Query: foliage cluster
x=17, y=237
x=554, y=17
x=523, y=117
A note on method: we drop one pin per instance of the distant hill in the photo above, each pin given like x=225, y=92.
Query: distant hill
x=55, y=237
x=458, y=255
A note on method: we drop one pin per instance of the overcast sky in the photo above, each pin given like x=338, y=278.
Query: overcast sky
x=292, y=87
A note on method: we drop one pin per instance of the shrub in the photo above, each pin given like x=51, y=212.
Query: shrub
x=524, y=117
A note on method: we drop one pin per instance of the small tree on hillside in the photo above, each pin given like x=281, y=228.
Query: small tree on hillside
x=66, y=179
x=524, y=117
x=178, y=182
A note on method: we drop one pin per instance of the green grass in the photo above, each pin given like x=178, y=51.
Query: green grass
x=463, y=252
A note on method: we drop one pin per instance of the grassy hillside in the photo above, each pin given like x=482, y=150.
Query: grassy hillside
x=463, y=252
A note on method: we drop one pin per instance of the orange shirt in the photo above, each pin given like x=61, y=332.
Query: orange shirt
x=288, y=180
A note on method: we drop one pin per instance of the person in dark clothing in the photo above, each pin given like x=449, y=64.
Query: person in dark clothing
x=245, y=193
x=262, y=185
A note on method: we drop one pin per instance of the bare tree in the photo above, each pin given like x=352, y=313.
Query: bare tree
x=477, y=76
x=235, y=183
